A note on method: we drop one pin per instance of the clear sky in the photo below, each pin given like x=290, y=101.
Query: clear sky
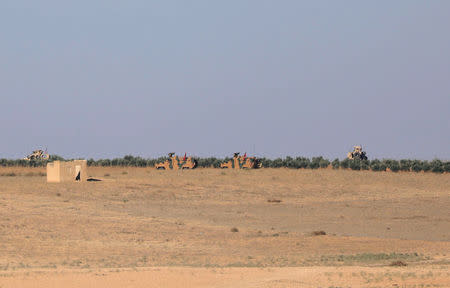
x=275, y=78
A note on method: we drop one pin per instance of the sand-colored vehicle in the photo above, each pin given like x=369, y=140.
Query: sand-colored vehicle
x=176, y=163
x=241, y=162
x=357, y=153
x=38, y=155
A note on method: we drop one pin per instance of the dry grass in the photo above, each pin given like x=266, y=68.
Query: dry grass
x=183, y=218
x=398, y=263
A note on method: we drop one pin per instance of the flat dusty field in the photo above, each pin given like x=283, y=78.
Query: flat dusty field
x=140, y=227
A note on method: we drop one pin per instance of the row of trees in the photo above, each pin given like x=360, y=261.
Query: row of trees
x=436, y=165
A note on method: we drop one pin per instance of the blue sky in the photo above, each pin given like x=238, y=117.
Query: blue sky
x=275, y=78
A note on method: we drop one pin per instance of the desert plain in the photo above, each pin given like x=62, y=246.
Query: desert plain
x=140, y=227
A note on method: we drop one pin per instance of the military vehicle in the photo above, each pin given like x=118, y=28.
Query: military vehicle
x=38, y=155
x=176, y=163
x=357, y=153
x=241, y=162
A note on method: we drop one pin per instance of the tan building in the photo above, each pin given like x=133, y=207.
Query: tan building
x=67, y=171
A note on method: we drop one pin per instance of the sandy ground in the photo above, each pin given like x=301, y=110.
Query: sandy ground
x=237, y=277
x=142, y=227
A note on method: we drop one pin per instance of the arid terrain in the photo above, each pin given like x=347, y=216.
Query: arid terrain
x=140, y=227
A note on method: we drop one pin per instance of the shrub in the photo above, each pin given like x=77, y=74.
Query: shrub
x=365, y=165
x=55, y=157
x=289, y=162
x=315, y=162
x=302, y=162
x=405, y=165
x=335, y=163
x=345, y=163
x=277, y=163
x=437, y=166
x=377, y=165
x=392, y=164
x=210, y=162
x=10, y=174
x=416, y=166
x=426, y=166
x=355, y=164
x=446, y=166
x=264, y=161
x=324, y=163
x=398, y=263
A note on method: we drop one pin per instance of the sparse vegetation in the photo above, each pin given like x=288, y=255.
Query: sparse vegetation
x=274, y=200
x=398, y=263
x=396, y=259
x=9, y=174
x=150, y=219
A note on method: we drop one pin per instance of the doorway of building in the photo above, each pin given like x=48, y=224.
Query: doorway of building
x=77, y=172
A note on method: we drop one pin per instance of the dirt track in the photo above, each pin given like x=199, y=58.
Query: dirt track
x=138, y=218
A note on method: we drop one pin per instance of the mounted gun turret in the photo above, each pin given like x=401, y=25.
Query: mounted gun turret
x=357, y=153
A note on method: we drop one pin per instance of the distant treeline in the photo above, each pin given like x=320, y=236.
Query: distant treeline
x=436, y=165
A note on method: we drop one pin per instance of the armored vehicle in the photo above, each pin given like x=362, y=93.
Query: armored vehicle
x=357, y=153
x=176, y=163
x=241, y=162
x=38, y=155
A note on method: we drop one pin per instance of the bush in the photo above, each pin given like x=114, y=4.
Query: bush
x=377, y=165
x=302, y=162
x=315, y=162
x=437, y=166
x=210, y=162
x=346, y=163
x=365, y=165
x=55, y=158
x=416, y=166
x=324, y=163
x=355, y=164
x=335, y=164
x=446, y=166
x=264, y=161
x=289, y=162
x=392, y=164
x=405, y=165
x=277, y=163
x=426, y=166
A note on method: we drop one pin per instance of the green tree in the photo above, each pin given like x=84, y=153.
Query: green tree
x=336, y=164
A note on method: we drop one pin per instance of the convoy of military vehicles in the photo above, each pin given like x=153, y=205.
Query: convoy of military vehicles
x=173, y=162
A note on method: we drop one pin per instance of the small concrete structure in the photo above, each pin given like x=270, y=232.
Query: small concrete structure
x=67, y=171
